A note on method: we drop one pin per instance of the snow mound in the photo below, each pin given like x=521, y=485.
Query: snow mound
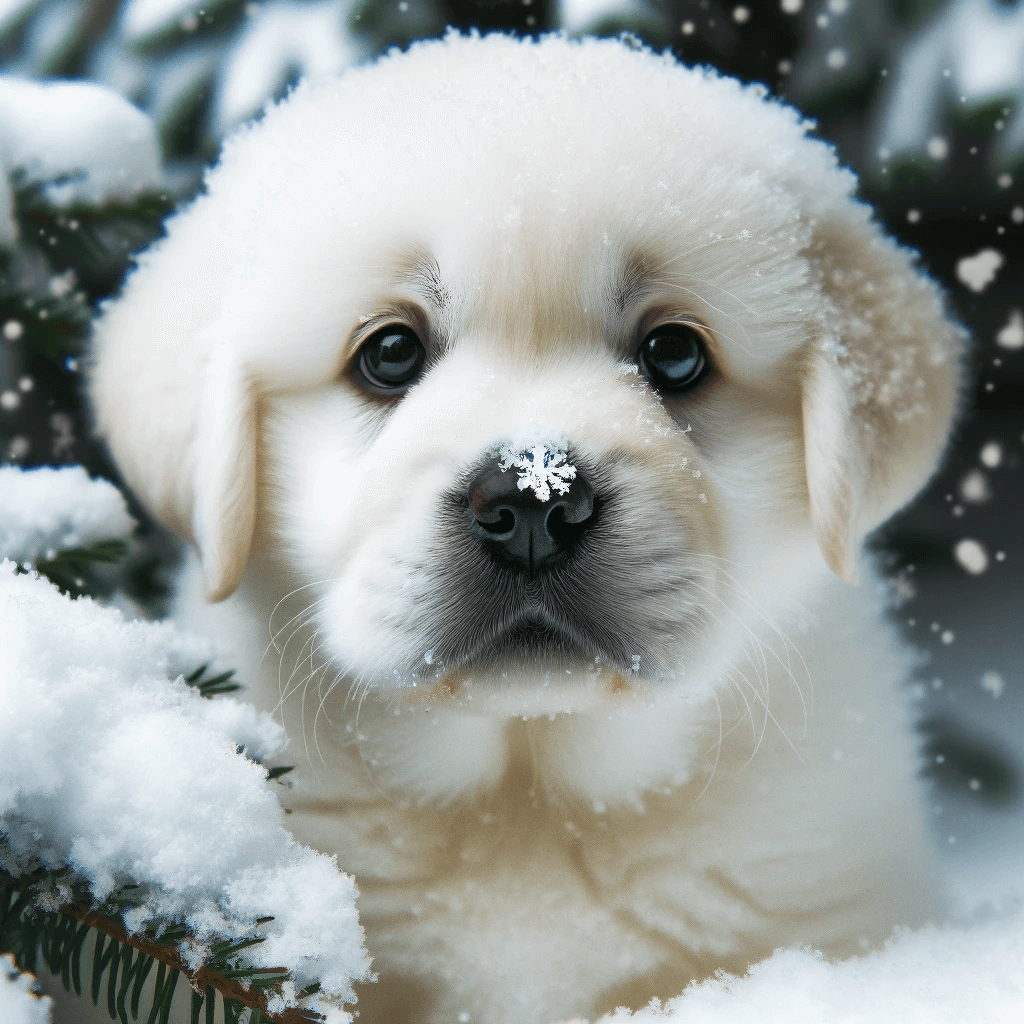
x=43, y=511
x=17, y=1003
x=83, y=142
x=112, y=766
x=933, y=976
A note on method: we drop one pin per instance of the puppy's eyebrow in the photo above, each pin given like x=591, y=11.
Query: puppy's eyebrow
x=420, y=269
x=635, y=277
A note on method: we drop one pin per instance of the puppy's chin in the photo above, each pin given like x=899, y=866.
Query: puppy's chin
x=528, y=687
x=535, y=673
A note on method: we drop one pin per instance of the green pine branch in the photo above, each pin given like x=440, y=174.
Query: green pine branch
x=74, y=569
x=211, y=687
x=93, y=241
x=46, y=917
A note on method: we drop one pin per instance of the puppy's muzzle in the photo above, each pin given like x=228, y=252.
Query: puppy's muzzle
x=520, y=531
x=557, y=579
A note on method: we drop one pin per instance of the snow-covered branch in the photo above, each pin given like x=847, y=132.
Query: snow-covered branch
x=125, y=792
x=45, y=511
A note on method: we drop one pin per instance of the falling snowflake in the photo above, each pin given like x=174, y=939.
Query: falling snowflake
x=836, y=59
x=973, y=558
x=975, y=488
x=993, y=683
x=1012, y=335
x=979, y=271
x=991, y=454
x=541, y=468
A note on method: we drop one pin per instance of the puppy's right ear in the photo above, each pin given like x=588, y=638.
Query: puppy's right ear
x=177, y=408
x=224, y=512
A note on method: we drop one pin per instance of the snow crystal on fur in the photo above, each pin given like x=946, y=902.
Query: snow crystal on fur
x=540, y=468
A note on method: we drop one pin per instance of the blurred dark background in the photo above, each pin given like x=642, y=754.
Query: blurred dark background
x=924, y=99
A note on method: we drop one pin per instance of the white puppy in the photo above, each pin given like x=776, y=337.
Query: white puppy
x=558, y=385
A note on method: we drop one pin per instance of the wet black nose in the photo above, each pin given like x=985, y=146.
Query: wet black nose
x=521, y=530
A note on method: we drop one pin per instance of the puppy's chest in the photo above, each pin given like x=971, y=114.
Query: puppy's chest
x=629, y=886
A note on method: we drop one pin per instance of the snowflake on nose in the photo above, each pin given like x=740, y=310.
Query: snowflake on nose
x=541, y=468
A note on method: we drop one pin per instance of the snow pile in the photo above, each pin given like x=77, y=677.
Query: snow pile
x=969, y=55
x=934, y=976
x=17, y=1003
x=964, y=56
x=279, y=40
x=43, y=511
x=83, y=142
x=110, y=765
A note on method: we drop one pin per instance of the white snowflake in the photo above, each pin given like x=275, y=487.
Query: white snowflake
x=977, y=272
x=541, y=468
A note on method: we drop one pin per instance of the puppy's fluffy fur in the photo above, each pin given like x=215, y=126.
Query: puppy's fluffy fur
x=716, y=758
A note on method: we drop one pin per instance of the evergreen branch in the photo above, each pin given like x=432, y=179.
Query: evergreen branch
x=72, y=569
x=30, y=927
x=95, y=240
x=212, y=687
x=54, y=326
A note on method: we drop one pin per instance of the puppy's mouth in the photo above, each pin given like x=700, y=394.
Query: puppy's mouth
x=531, y=638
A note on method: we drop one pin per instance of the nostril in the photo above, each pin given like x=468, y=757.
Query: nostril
x=490, y=507
x=505, y=523
x=567, y=522
x=577, y=506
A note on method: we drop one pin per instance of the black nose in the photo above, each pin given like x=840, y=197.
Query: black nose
x=521, y=530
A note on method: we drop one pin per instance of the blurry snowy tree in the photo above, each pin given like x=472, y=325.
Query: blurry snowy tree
x=923, y=98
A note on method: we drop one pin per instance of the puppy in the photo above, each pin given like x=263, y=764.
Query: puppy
x=536, y=398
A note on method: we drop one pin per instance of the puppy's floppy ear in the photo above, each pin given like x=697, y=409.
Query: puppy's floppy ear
x=879, y=385
x=224, y=513
x=177, y=408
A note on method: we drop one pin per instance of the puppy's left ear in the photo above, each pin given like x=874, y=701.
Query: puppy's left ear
x=879, y=386
x=224, y=513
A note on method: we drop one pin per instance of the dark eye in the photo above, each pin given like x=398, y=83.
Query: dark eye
x=392, y=358
x=673, y=357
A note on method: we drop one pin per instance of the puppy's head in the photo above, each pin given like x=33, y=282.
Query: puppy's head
x=536, y=358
